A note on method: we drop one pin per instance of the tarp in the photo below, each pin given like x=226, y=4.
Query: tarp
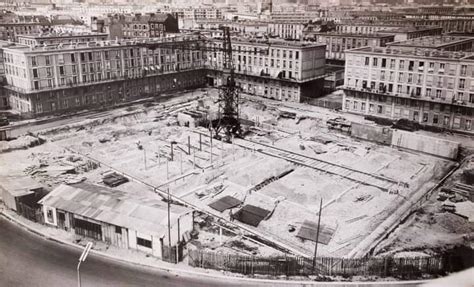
x=251, y=215
x=308, y=231
x=224, y=203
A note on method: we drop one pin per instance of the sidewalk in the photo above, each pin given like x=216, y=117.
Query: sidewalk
x=182, y=269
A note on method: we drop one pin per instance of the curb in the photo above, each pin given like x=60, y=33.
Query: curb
x=203, y=274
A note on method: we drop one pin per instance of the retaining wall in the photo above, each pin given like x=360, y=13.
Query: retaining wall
x=425, y=144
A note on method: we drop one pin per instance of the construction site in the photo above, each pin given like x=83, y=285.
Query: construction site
x=260, y=178
x=259, y=194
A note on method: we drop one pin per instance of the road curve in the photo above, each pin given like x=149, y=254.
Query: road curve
x=27, y=259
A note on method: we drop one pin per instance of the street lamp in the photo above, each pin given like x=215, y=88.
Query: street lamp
x=83, y=257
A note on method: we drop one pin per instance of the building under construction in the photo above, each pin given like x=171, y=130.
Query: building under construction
x=51, y=78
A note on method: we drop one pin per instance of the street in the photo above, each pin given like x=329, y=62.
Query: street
x=29, y=260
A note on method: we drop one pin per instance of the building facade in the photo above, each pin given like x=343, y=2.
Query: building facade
x=74, y=76
x=286, y=71
x=440, y=43
x=432, y=88
x=58, y=38
x=338, y=43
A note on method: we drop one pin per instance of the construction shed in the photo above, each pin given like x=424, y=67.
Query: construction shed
x=20, y=190
x=116, y=217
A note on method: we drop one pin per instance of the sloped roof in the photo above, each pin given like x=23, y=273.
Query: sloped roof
x=224, y=203
x=308, y=230
x=19, y=185
x=114, y=207
x=251, y=215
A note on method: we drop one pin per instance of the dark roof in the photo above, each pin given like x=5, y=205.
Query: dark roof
x=224, y=203
x=251, y=215
x=308, y=230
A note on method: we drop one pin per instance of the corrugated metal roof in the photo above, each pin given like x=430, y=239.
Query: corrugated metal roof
x=224, y=203
x=308, y=231
x=114, y=207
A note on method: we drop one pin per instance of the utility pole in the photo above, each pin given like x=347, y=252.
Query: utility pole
x=169, y=223
x=317, y=233
x=189, y=145
x=167, y=169
x=200, y=142
x=144, y=156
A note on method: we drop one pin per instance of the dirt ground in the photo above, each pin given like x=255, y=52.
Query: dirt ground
x=138, y=141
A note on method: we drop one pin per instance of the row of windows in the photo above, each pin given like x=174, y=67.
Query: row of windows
x=426, y=118
x=412, y=65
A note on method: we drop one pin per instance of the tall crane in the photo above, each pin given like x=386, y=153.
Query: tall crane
x=228, y=101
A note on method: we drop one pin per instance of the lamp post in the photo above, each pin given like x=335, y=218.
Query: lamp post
x=83, y=257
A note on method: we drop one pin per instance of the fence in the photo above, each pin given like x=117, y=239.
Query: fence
x=292, y=265
x=326, y=104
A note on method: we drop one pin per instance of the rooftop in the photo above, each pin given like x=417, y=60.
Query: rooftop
x=407, y=29
x=433, y=42
x=359, y=35
x=62, y=35
x=114, y=207
x=415, y=52
x=18, y=185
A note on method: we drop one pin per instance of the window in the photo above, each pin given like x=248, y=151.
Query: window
x=462, y=83
x=367, y=60
x=35, y=73
x=118, y=229
x=425, y=117
x=379, y=109
x=392, y=64
x=411, y=64
x=468, y=124
x=375, y=62
x=362, y=107
x=441, y=67
x=48, y=72
x=402, y=64
x=463, y=70
x=297, y=55
x=356, y=105
x=90, y=56
x=33, y=61
x=446, y=120
x=371, y=108
x=73, y=58
x=47, y=60
x=428, y=92
x=83, y=57
x=384, y=63
x=144, y=242
x=438, y=94
x=36, y=85
x=61, y=70
x=435, y=119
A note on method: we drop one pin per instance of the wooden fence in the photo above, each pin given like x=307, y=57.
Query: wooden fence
x=292, y=265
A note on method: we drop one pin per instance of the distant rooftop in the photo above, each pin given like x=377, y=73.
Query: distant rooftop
x=359, y=35
x=62, y=35
x=433, y=42
x=407, y=29
x=415, y=52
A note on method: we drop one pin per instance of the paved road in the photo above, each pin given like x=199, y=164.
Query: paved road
x=29, y=260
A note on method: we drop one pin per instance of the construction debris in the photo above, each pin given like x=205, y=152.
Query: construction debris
x=114, y=179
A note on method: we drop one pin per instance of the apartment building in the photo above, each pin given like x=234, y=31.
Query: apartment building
x=135, y=26
x=58, y=38
x=286, y=71
x=289, y=29
x=430, y=87
x=400, y=31
x=441, y=43
x=74, y=76
x=338, y=43
x=459, y=25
